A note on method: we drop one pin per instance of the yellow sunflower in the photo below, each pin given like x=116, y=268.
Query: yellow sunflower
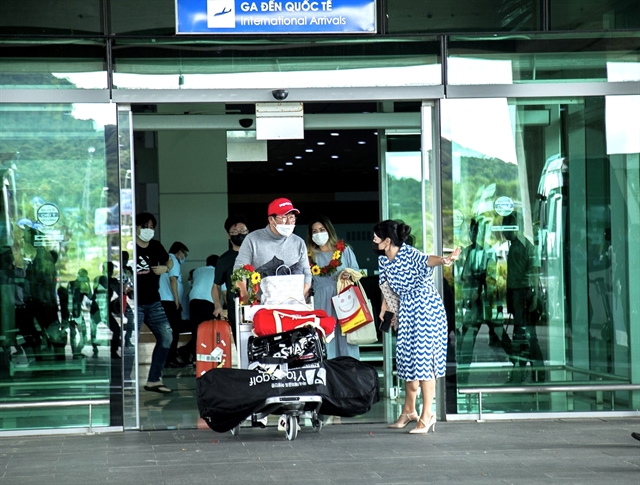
x=336, y=254
x=255, y=278
x=315, y=270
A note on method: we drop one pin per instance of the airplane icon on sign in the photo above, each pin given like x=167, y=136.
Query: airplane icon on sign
x=224, y=11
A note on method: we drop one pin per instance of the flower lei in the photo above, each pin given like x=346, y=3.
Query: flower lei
x=248, y=272
x=332, y=267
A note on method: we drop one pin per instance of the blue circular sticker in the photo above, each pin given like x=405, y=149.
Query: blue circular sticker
x=503, y=205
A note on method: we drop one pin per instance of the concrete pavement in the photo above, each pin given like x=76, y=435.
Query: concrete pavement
x=581, y=452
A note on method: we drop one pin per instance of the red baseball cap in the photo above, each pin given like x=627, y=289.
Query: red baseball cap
x=280, y=207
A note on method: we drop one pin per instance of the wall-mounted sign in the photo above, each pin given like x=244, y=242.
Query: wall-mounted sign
x=275, y=17
x=48, y=214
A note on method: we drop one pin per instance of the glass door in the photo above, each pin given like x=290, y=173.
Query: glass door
x=543, y=195
x=408, y=194
x=59, y=345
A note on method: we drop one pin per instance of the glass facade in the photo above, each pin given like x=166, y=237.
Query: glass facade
x=413, y=16
x=594, y=14
x=200, y=65
x=59, y=64
x=543, y=59
x=539, y=188
x=60, y=252
x=545, y=204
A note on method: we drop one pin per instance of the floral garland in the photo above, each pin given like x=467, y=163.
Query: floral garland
x=248, y=272
x=333, y=265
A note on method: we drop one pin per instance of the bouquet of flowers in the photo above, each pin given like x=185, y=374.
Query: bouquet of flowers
x=249, y=274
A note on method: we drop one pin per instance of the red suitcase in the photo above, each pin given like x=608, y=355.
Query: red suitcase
x=213, y=348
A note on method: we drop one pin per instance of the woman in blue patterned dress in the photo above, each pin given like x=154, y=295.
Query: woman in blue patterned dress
x=421, y=348
x=322, y=244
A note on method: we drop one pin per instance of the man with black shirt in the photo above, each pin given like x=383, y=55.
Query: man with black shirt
x=152, y=261
x=236, y=227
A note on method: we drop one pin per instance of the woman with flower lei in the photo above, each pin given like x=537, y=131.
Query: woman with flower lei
x=252, y=277
x=328, y=257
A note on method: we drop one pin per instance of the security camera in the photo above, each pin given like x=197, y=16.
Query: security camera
x=246, y=122
x=280, y=94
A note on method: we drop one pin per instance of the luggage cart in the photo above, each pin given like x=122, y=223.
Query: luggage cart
x=290, y=409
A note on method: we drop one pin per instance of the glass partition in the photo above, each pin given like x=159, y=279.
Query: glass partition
x=53, y=17
x=59, y=342
x=544, y=58
x=57, y=64
x=413, y=16
x=593, y=14
x=545, y=201
x=327, y=63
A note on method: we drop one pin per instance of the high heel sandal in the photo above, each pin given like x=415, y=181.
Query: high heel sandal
x=427, y=426
x=401, y=423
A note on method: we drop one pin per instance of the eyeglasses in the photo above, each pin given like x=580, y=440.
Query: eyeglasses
x=286, y=217
x=236, y=233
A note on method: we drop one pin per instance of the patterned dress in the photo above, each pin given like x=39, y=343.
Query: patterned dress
x=422, y=322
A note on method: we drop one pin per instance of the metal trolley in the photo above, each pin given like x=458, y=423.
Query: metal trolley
x=290, y=409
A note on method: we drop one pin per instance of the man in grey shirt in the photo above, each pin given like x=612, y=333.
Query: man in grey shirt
x=277, y=239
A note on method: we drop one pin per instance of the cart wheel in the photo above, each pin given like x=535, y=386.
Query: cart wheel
x=235, y=431
x=291, y=427
x=316, y=423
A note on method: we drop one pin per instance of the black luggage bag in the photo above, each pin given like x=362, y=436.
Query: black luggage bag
x=297, y=347
x=347, y=386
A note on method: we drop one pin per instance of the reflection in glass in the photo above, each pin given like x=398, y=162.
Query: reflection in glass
x=57, y=328
x=545, y=216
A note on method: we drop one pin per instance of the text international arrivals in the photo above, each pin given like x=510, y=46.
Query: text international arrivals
x=293, y=21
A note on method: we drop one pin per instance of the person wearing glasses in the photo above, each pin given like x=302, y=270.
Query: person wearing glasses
x=237, y=231
x=276, y=239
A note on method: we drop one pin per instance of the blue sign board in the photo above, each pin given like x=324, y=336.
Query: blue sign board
x=275, y=17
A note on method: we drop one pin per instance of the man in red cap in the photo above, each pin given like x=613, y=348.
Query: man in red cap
x=277, y=239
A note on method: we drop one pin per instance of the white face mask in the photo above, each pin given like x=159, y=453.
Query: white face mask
x=146, y=235
x=320, y=238
x=285, y=229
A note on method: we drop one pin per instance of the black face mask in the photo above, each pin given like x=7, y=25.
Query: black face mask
x=237, y=239
x=379, y=252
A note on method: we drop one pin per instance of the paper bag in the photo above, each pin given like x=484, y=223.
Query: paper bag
x=351, y=309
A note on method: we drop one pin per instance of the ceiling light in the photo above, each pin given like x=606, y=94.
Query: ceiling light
x=335, y=134
x=320, y=143
x=309, y=150
x=334, y=156
x=288, y=163
x=375, y=133
x=362, y=143
x=298, y=157
x=281, y=170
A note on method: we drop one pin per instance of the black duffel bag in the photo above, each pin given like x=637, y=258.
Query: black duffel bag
x=352, y=387
x=226, y=397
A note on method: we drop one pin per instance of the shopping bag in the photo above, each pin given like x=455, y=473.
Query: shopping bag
x=282, y=288
x=351, y=309
x=367, y=334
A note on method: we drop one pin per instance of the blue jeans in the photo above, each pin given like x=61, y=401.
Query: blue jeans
x=153, y=315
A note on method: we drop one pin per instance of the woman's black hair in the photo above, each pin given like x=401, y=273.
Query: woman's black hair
x=397, y=231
